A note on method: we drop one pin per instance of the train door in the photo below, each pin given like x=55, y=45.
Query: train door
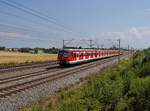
x=86, y=55
x=81, y=55
x=92, y=54
x=76, y=56
x=96, y=54
x=102, y=53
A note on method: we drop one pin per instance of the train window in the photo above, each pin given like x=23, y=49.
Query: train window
x=92, y=54
x=67, y=54
x=87, y=54
x=75, y=55
x=64, y=53
x=81, y=55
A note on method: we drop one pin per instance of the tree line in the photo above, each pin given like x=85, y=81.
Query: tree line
x=52, y=50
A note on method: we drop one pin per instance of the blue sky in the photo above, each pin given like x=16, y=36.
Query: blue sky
x=104, y=21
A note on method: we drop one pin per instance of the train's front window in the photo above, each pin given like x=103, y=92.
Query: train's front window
x=64, y=53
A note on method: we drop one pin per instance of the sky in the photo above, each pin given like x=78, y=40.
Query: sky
x=46, y=23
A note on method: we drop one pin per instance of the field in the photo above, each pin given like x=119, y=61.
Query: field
x=16, y=57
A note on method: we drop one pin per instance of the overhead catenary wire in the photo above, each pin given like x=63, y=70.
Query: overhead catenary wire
x=26, y=29
x=29, y=12
x=33, y=38
x=22, y=18
x=36, y=14
x=35, y=11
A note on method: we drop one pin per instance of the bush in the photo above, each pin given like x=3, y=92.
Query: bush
x=140, y=92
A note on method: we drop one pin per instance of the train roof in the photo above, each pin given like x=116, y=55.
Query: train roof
x=84, y=49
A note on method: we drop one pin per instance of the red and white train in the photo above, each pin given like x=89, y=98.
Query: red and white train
x=74, y=56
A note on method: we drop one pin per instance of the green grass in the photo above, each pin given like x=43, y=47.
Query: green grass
x=125, y=87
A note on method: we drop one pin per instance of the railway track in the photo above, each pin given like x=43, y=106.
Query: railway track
x=20, y=83
x=28, y=75
x=23, y=67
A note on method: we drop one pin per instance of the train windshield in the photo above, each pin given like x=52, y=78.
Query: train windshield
x=64, y=53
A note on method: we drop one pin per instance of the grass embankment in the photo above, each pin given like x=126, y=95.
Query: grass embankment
x=125, y=87
x=13, y=58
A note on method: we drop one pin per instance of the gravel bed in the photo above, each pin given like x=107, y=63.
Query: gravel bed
x=26, y=98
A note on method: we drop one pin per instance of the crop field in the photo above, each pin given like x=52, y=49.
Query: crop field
x=16, y=57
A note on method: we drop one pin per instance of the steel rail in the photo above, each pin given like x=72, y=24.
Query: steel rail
x=23, y=67
x=28, y=75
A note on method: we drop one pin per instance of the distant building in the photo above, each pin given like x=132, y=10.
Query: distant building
x=32, y=51
x=16, y=49
x=8, y=49
x=12, y=49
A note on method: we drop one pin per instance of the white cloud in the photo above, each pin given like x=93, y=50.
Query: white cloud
x=136, y=37
x=147, y=10
x=135, y=32
x=13, y=35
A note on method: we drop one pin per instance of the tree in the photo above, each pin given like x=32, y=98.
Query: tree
x=2, y=48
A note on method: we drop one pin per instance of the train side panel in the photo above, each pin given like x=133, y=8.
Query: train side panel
x=79, y=56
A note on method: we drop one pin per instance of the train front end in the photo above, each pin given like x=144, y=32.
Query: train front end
x=64, y=57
